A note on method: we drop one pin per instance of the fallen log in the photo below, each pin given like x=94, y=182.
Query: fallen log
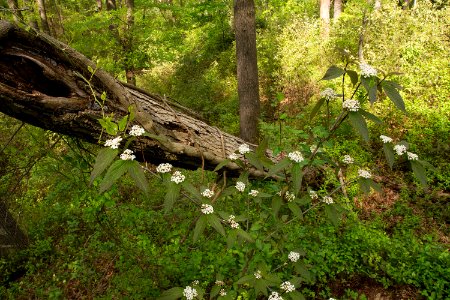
x=50, y=85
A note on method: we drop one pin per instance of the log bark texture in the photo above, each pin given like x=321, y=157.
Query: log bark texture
x=47, y=84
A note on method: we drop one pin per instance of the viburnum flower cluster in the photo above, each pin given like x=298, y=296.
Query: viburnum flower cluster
x=400, y=149
x=136, y=130
x=254, y=193
x=290, y=196
x=364, y=174
x=258, y=274
x=233, y=156
x=351, y=105
x=113, y=143
x=127, y=155
x=328, y=94
x=207, y=193
x=327, y=200
x=232, y=222
x=164, y=168
x=240, y=186
x=313, y=195
x=412, y=156
x=243, y=149
x=293, y=256
x=275, y=296
x=367, y=70
x=385, y=139
x=177, y=177
x=222, y=292
x=296, y=156
x=287, y=287
x=190, y=293
x=348, y=159
x=207, y=209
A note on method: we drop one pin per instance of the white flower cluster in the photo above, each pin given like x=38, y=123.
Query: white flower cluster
x=314, y=148
x=290, y=196
x=220, y=283
x=127, y=155
x=233, y=156
x=222, y=292
x=207, y=209
x=385, y=139
x=327, y=200
x=136, y=130
x=400, y=149
x=348, y=159
x=113, y=143
x=177, y=177
x=257, y=274
x=412, y=156
x=275, y=296
x=328, y=94
x=244, y=148
x=195, y=282
x=254, y=193
x=190, y=293
x=313, y=195
x=287, y=287
x=240, y=186
x=367, y=70
x=293, y=256
x=164, y=168
x=232, y=222
x=364, y=174
x=207, y=193
x=351, y=105
x=296, y=156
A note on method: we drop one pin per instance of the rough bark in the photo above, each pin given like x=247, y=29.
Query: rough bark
x=247, y=69
x=14, y=7
x=325, y=17
x=99, y=5
x=337, y=10
x=128, y=42
x=43, y=16
x=41, y=83
x=111, y=5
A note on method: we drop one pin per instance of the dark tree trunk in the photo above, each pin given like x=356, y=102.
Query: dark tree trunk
x=128, y=43
x=337, y=10
x=43, y=16
x=247, y=69
x=14, y=7
x=111, y=5
x=99, y=5
x=41, y=83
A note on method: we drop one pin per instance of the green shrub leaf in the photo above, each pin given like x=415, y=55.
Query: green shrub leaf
x=138, y=175
x=297, y=176
x=391, y=90
x=389, y=153
x=333, y=72
x=316, y=108
x=199, y=227
x=359, y=123
x=279, y=166
x=295, y=210
x=353, y=76
x=214, y=221
x=173, y=191
x=173, y=293
x=115, y=171
x=222, y=164
x=370, y=116
x=104, y=158
x=123, y=123
x=419, y=171
x=370, y=85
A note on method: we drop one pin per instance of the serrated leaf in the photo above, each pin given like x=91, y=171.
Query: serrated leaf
x=115, y=171
x=138, y=175
x=199, y=227
x=278, y=167
x=244, y=234
x=276, y=204
x=295, y=210
x=104, y=158
x=246, y=279
x=254, y=160
x=295, y=295
x=391, y=91
x=191, y=190
x=214, y=221
x=214, y=291
x=364, y=185
x=173, y=191
x=332, y=214
x=297, y=176
x=419, y=172
x=123, y=123
x=370, y=85
x=370, y=116
x=333, y=72
x=359, y=123
x=261, y=286
x=303, y=271
x=316, y=108
x=222, y=164
x=353, y=76
x=389, y=154
x=303, y=201
x=173, y=293
x=231, y=238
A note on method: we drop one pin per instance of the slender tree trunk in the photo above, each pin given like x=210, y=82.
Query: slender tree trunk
x=325, y=17
x=58, y=10
x=377, y=4
x=247, y=69
x=128, y=42
x=337, y=10
x=111, y=5
x=43, y=16
x=14, y=7
x=99, y=5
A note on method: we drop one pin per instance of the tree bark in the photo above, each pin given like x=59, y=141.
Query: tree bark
x=325, y=17
x=14, y=7
x=41, y=83
x=99, y=5
x=337, y=10
x=128, y=43
x=247, y=69
x=43, y=16
x=111, y=5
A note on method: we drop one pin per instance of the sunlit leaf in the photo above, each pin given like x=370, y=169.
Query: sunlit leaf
x=353, y=76
x=104, y=158
x=389, y=154
x=370, y=116
x=391, y=90
x=222, y=164
x=123, y=123
x=316, y=108
x=333, y=72
x=370, y=85
x=359, y=123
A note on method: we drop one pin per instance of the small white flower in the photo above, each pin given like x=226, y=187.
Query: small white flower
x=164, y=168
x=177, y=177
x=328, y=94
x=351, y=105
x=275, y=296
x=137, y=130
x=293, y=256
x=385, y=139
x=127, y=155
x=327, y=200
x=233, y=156
x=232, y=222
x=313, y=195
x=220, y=283
x=244, y=148
x=348, y=159
x=367, y=70
x=190, y=293
x=314, y=148
x=296, y=156
x=195, y=282
x=412, y=156
x=222, y=292
x=364, y=174
x=254, y=193
x=207, y=193
x=331, y=299
x=207, y=209
x=400, y=149
x=258, y=274
x=240, y=186
x=287, y=287
x=113, y=143
x=290, y=196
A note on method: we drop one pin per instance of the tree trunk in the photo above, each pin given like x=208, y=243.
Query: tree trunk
x=43, y=16
x=14, y=7
x=41, y=83
x=247, y=69
x=377, y=4
x=11, y=236
x=325, y=17
x=337, y=10
x=111, y=5
x=99, y=5
x=128, y=43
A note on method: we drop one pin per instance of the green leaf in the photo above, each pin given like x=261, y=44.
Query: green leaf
x=419, y=172
x=214, y=221
x=353, y=76
x=90, y=70
x=261, y=286
x=123, y=123
x=191, y=190
x=303, y=271
x=316, y=108
x=104, y=158
x=278, y=167
x=245, y=235
x=253, y=159
x=246, y=279
x=295, y=210
x=231, y=238
x=214, y=291
x=138, y=175
x=108, y=124
x=132, y=112
x=297, y=176
x=332, y=214
x=359, y=123
x=391, y=90
x=222, y=164
x=295, y=295
x=333, y=72
x=370, y=85
x=173, y=293
x=103, y=96
x=276, y=204
x=173, y=191
x=370, y=116
x=364, y=185
x=115, y=171
x=199, y=227
x=389, y=153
